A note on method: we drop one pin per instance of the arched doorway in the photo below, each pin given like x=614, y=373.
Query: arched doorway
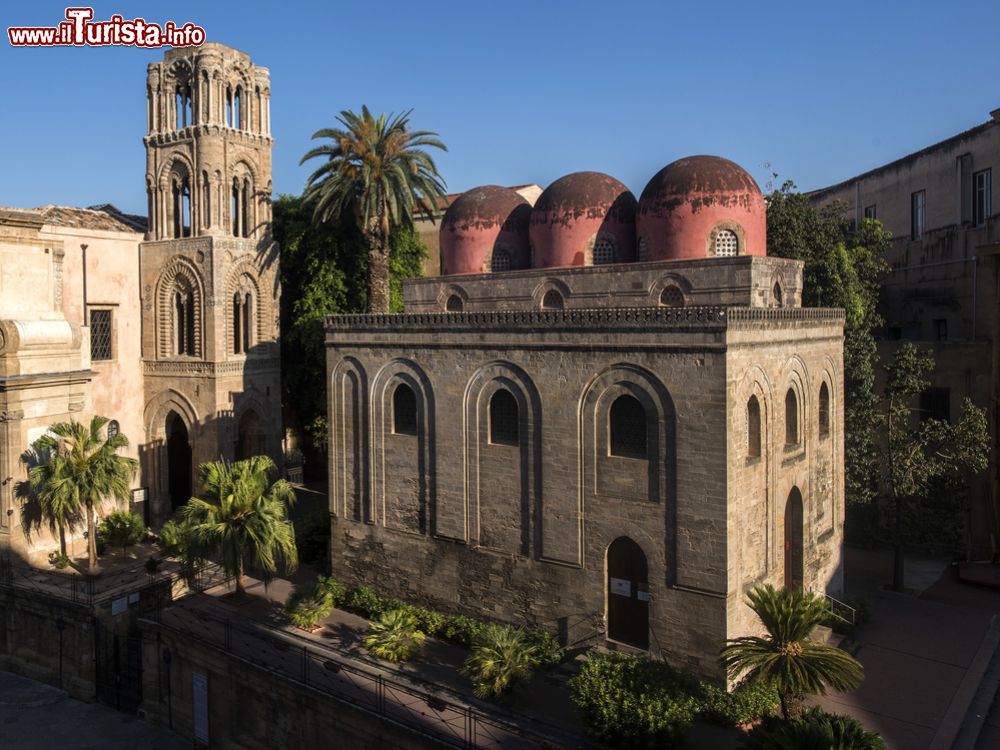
x=793, y=540
x=628, y=594
x=178, y=461
x=249, y=437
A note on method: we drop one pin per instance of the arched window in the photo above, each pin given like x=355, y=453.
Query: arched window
x=627, y=428
x=245, y=207
x=777, y=298
x=753, y=428
x=552, y=300
x=235, y=207
x=404, y=410
x=604, y=251
x=500, y=260
x=504, y=423
x=791, y=418
x=642, y=251
x=229, y=107
x=184, y=327
x=238, y=108
x=824, y=410
x=237, y=322
x=247, y=322
x=113, y=428
x=726, y=243
x=671, y=296
x=454, y=304
x=206, y=208
x=186, y=209
x=178, y=109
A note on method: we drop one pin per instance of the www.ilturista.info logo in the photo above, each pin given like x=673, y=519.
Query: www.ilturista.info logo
x=78, y=30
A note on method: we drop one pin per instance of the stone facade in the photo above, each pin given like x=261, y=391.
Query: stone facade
x=942, y=287
x=621, y=466
x=166, y=325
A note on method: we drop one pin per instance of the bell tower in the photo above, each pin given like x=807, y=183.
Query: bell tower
x=209, y=269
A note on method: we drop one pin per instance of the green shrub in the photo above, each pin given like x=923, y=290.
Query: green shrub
x=460, y=629
x=547, y=648
x=122, y=529
x=428, y=621
x=814, y=730
x=502, y=659
x=366, y=602
x=58, y=560
x=312, y=537
x=170, y=540
x=394, y=636
x=631, y=702
x=311, y=602
x=747, y=703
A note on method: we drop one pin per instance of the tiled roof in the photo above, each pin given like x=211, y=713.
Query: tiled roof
x=105, y=217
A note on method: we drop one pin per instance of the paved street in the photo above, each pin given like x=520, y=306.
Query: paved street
x=34, y=716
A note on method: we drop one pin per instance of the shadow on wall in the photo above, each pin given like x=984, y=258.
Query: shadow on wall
x=249, y=426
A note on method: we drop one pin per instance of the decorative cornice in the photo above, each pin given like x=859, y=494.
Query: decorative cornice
x=201, y=368
x=603, y=318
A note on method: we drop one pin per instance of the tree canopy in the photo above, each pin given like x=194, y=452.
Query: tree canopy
x=376, y=169
x=844, y=267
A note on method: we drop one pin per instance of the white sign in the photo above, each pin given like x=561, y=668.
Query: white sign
x=119, y=605
x=621, y=587
x=199, y=696
x=642, y=596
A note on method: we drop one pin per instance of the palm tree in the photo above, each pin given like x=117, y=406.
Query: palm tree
x=376, y=168
x=243, y=519
x=786, y=657
x=81, y=468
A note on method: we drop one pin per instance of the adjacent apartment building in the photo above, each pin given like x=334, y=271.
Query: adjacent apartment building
x=943, y=289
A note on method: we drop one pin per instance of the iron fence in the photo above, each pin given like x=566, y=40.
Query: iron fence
x=429, y=709
x=95, y=591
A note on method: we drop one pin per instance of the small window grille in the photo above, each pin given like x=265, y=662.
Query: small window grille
x=671, y=297
x=113, y=428
x=726, y=243
x=100, y=334
x=604, y=251
x=454, y=304
x=504, y=428
x=552, y=300
x=404, y=410
x=500, y=261
x=627, y=420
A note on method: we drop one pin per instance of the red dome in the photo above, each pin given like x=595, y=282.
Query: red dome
x=583, y=218
x=481, y=222
x=699, y=207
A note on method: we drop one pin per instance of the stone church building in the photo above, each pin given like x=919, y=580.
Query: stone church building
x=168, y=325
x=607, y=417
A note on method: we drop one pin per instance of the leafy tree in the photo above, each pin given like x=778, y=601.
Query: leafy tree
x=843, y=268
x=81, y=467
x=323, y=271
x=814, y=730
x=243, y=520
x=502, y=658
x=395, y=636
x=375, y=168
x=123, y=529
x=786, y=657
x=917, y=453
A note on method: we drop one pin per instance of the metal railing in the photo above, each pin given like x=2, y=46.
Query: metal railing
x=94, y=591
x=838, y=609
x=426, y=708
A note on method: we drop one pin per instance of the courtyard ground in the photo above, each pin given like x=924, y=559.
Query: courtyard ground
x=35, y=716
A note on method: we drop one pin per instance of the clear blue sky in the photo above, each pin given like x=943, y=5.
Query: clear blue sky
x=527, y=91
